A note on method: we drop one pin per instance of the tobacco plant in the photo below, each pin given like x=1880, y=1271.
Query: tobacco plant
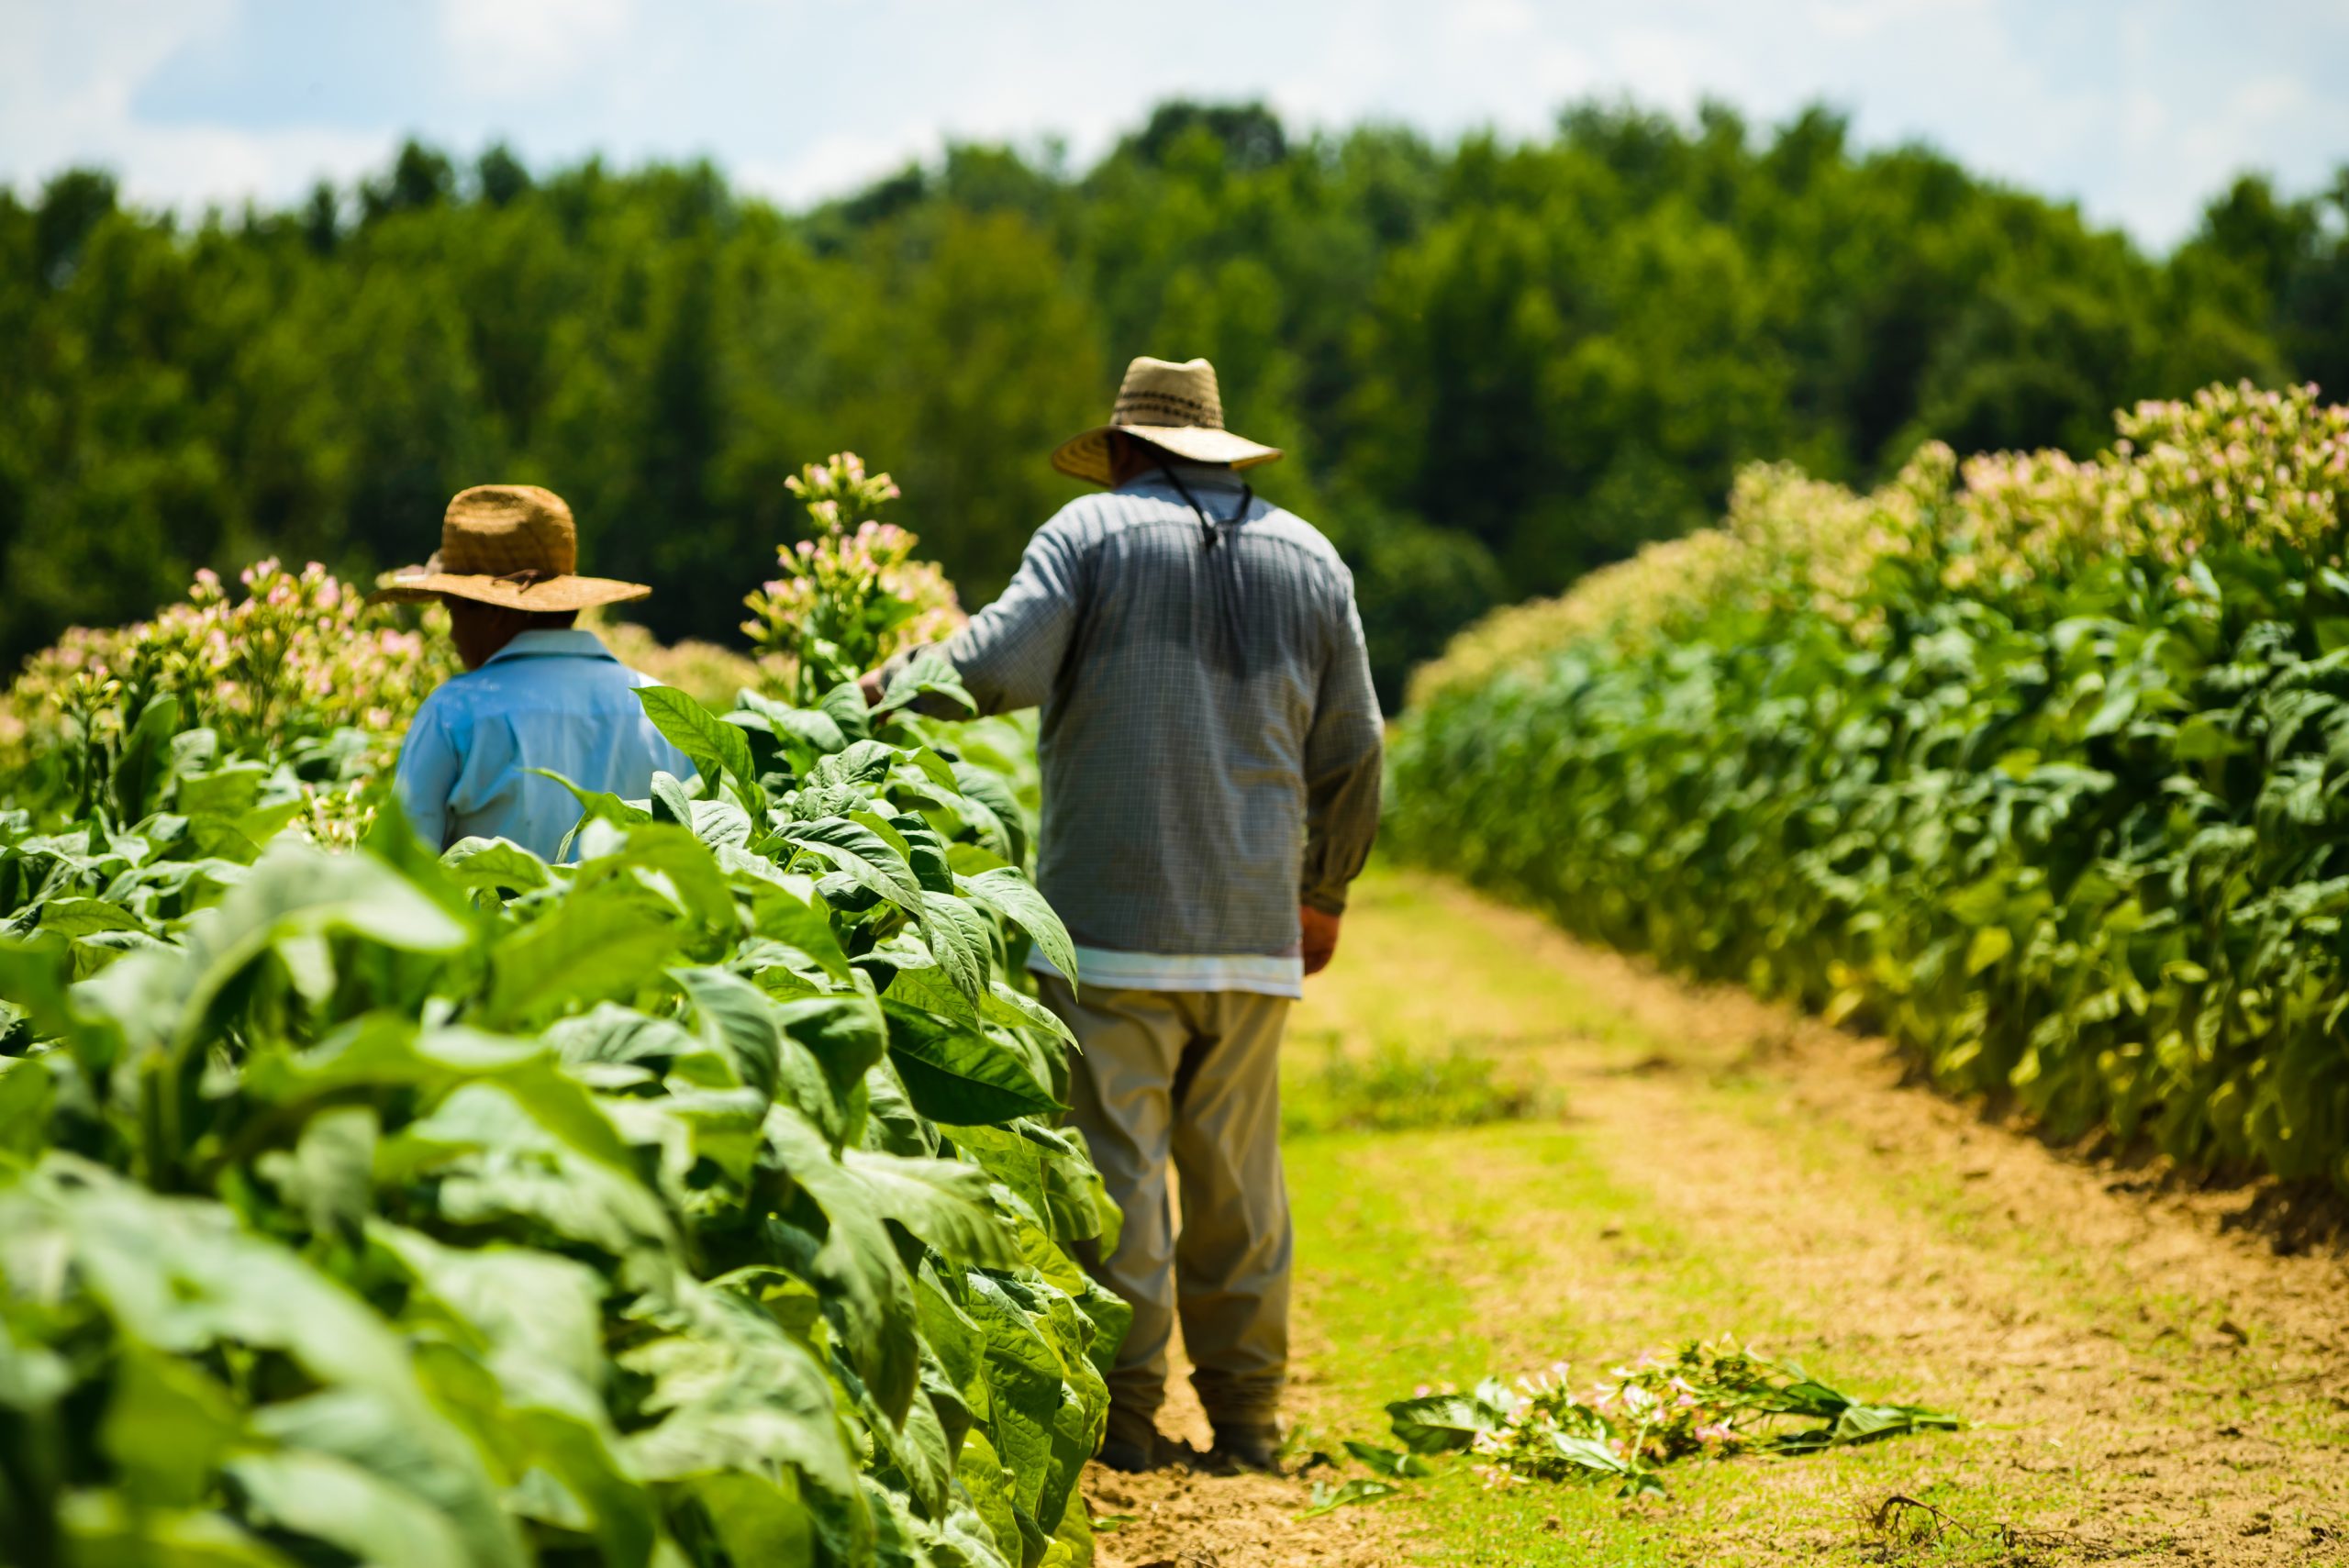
x=2044, y=772
x=850, y=595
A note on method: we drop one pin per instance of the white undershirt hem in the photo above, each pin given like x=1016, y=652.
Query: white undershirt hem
x=1258, y=974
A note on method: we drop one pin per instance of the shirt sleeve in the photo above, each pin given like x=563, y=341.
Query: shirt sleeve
x=428, y=770
x=1011, y=653
x=1342, y=760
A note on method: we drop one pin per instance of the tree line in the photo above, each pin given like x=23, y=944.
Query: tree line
x=1495, y=363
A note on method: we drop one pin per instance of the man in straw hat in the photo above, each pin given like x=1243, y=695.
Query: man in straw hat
x=1210, y=748
x=538, y=692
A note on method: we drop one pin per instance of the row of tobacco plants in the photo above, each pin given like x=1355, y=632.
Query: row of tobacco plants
x=2040, y=765
x=696, y=1200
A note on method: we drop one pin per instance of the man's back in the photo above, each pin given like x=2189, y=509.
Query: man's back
x=1210, y=736
x=555, y=700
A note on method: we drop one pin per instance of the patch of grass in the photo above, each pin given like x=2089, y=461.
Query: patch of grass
x=1397, y=1089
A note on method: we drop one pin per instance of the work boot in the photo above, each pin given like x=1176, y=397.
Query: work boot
x=1131, y=1444
x=1128, y=1458
x=1252, y=1447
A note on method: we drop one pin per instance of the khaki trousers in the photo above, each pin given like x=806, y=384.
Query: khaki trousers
x=1193, y=1075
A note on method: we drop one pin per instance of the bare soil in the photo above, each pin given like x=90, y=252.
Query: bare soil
x=2162, y=1371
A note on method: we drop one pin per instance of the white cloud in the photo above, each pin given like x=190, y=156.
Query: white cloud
x=532, y=45
x=837, y=163
x=69, y=77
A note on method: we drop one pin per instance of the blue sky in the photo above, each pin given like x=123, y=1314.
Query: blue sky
x=2138, y=111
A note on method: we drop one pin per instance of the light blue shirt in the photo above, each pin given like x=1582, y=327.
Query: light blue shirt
x=555, y=700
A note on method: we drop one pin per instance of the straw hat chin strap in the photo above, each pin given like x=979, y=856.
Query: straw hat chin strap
x=1230, y=649
x=1209, y=529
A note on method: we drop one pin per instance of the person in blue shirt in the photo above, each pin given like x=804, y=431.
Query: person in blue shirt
x=538, y=692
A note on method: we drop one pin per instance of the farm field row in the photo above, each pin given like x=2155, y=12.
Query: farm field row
x=2146, y=1385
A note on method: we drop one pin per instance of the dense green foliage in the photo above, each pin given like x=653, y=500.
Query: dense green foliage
x=2047, y=775
x=695, y=1203
x=1494, y=364
x=698, y=1200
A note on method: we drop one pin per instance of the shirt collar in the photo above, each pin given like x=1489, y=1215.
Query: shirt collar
x=558, y=642
x=1197, y=475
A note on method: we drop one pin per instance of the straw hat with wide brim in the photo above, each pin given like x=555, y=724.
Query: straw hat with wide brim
x=513, y=545
x=1175, y=408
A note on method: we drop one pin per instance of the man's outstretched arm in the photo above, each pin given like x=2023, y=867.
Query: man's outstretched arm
x=1011, y=652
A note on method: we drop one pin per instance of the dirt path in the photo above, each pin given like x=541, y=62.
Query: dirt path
x=2154, y=1381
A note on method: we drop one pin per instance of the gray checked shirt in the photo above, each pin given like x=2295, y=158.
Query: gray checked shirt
x=1210, y=740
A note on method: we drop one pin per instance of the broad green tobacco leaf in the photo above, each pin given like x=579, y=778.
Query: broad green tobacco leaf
x=921, y=1456
x=586, y=948
x=718, y=749
x=738, y=1022
x=167, y=1427
x=757, y=1518
x=926, y=674
x=943, y=1202
x=298, y=892
x=1047, y=1403
x=670, y=803
x=858, y=1260
x=495, y=865
x=958, y=1075
x=1009, y=836
x=844, y=705
x=73, y=917
x=106, y=1533
x=812, y=727
x=595, y=805
x=846, y=1034
x=140, y=770
x=611, y=1033
x=785, y=909
x=891, y=1125
x=369, y=1432
x=230, y=790
x=541, y=1307
x=767, y=1046
x=667, y=859
x=1046, y=1170
x=958, y=940
x=1004, y=1005
x=721, y=824
x=179, y=1275
x=1013, y=897
x=331, y=1171
x=28, y=1100
x=861, y=855
x=1437, y=1422
x=981, y=1471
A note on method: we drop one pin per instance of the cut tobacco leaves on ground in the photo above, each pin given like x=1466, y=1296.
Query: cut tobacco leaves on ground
x=1707, y=1401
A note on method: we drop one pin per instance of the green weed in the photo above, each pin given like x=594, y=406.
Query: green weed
x=1397, y=1089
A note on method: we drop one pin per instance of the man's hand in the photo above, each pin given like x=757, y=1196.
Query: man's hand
x=873, y=687
x=1320, y=937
